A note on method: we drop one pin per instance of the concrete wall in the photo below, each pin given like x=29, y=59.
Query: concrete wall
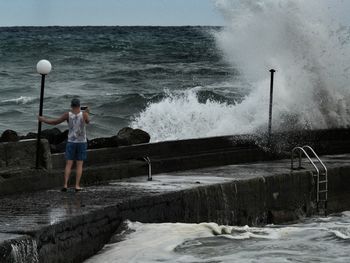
x=18, y=248
x=18, y=175
x=162, y=150
x=17, y=159
x=22, y=155
x=219, y=150
x=258, y=201
x=338, y=187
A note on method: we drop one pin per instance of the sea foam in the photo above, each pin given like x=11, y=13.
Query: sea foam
x=310, y=51
x=140, y=245
x=314, y=239
x=19, y=100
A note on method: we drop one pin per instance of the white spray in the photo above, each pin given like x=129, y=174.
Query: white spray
x=309, y=50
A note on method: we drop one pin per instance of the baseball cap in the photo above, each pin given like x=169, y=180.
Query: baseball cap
x=75, y=103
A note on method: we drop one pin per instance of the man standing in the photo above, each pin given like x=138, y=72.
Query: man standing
x=76, y=149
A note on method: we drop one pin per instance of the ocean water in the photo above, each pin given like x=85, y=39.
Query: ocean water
x=311, y=240
x=117, y=71
x=186, y=82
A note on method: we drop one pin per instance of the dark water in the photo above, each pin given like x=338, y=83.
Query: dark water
x=117, y=71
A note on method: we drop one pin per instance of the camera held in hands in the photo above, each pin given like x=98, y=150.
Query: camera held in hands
x=83, y=107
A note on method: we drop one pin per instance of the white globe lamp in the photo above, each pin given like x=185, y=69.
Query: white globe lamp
x=43, y=67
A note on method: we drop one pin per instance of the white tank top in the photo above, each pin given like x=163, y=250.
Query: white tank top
x=77, y=131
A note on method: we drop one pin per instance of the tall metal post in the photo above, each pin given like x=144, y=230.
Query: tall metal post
x=39, y=123
x=270, y=106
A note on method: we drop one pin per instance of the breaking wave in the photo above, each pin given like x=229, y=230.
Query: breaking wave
x=182, y=115
x=310, y=51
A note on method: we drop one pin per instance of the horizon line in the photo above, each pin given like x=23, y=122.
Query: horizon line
x=113, y=26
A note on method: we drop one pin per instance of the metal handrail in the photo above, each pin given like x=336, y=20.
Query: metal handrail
x=318, y=179
x=316, y=156
x=307, y=156
x=303, y=150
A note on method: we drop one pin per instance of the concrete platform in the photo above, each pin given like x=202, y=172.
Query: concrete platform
x=69, y=227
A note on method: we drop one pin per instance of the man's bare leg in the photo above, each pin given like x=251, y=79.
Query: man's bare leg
x=79, y=174
x=67, y=172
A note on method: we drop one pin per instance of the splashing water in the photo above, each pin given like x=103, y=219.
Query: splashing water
x=312, y=240
x=24, y=251
x=181, y=115
x=309, y=50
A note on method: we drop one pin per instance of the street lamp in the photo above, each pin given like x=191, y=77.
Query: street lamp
x=272, y=71
x=43, y=68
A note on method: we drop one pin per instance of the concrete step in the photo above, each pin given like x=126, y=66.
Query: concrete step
x=114, y=155
x=207, y=159
x=123, y=169
x=164, y=149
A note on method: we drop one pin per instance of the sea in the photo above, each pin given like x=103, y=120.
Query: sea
x=119, y=72
x=186, y=82
x=318, y=239
x=190, y=82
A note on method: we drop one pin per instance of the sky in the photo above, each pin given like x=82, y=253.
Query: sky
x=125, y=12
x=108, y=12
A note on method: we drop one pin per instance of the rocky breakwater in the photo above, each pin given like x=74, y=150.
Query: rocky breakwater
x=18, y=159
x=58, y=139
x=125, y=137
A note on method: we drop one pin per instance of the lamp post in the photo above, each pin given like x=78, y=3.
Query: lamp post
x=43, y=68
x=272, y=71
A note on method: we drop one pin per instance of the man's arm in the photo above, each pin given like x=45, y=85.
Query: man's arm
x=86, y=116
x=61, y=119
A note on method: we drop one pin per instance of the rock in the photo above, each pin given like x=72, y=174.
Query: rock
x=123, y=136
x=51, y=135
x=54, y=136
x=9, y=136
x=30, y=135
x=62, y=138
x=103, y=143
x=139, y=136
x=129, y=136
x=58, y=148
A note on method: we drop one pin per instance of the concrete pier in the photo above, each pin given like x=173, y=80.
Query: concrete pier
x=238, y=181
x=50, y=226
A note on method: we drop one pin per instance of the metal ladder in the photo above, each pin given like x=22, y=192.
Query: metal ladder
x=321, y=175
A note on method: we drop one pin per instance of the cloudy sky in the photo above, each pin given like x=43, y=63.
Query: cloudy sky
x=108, y=12
x=125, y=12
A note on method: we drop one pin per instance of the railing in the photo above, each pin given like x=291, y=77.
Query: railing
x=319, y=192
x=302, y=151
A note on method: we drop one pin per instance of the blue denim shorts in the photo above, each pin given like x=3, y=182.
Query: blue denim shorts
x=76, y=151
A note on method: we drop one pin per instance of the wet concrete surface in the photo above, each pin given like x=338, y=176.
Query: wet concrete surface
x=5, y=237
x=28, y=212
x=38, y=212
